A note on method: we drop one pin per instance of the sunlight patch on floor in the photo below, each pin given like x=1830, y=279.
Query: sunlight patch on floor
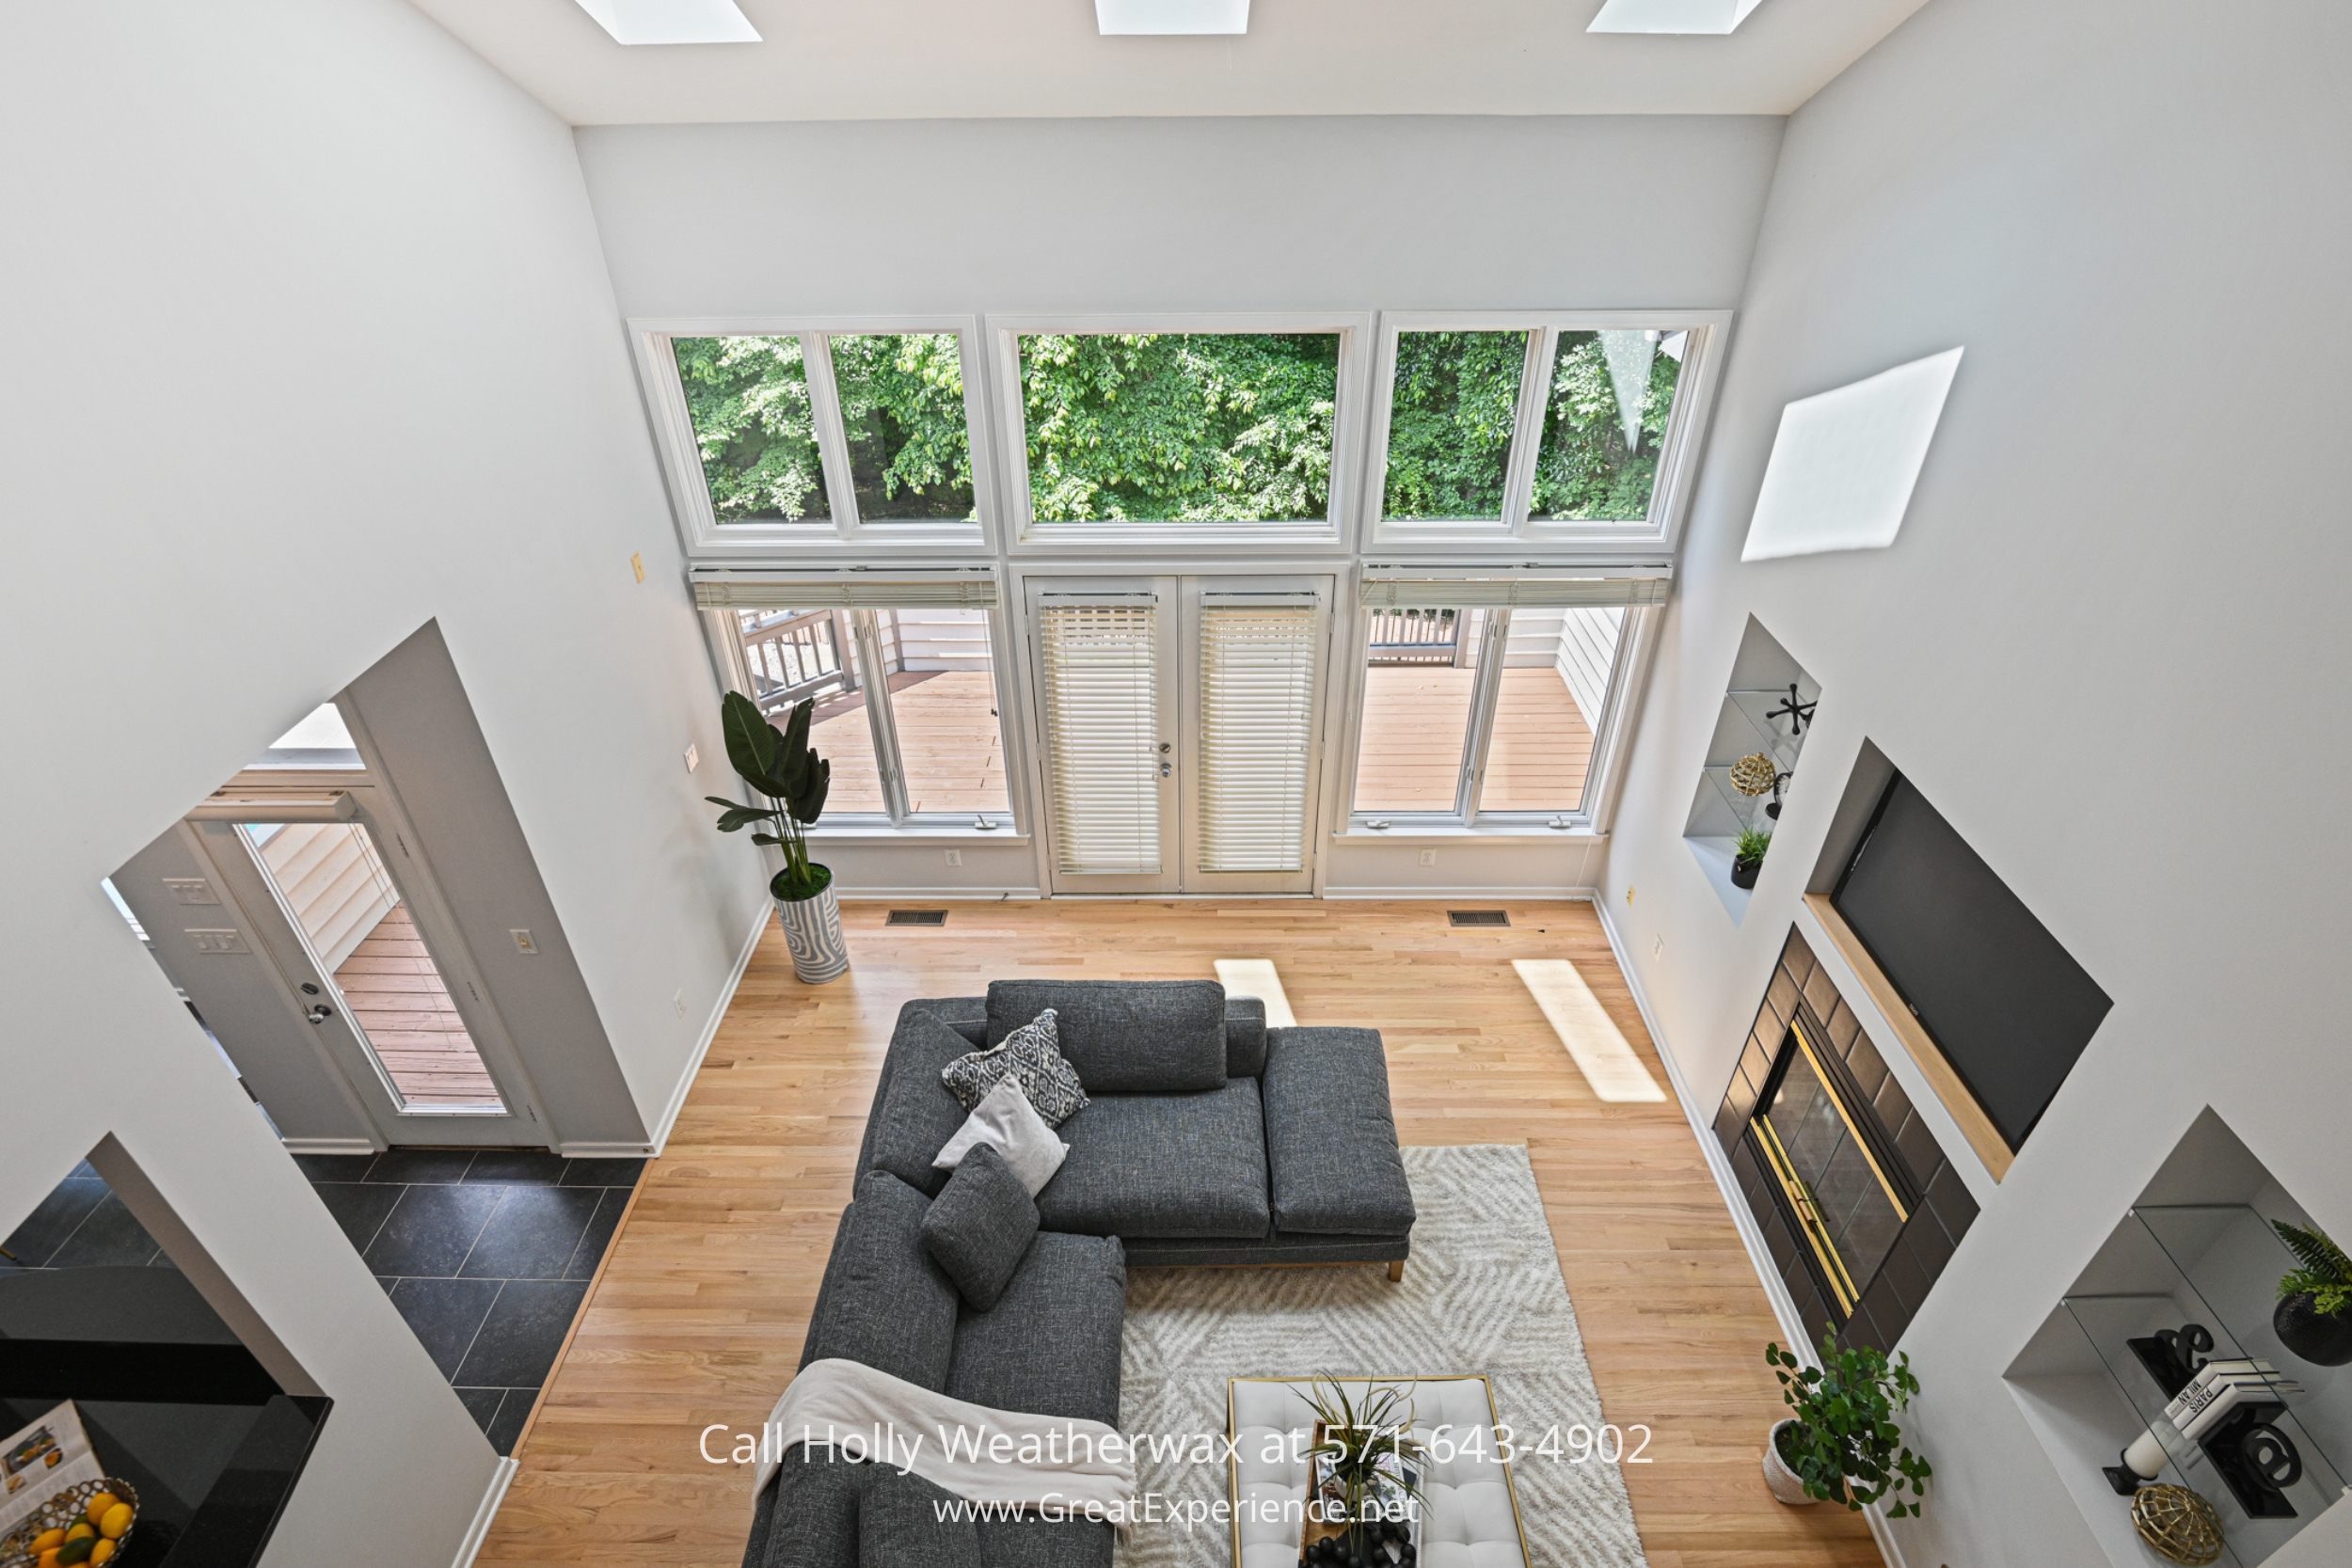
x=1256, y=978
x=1576, y=1015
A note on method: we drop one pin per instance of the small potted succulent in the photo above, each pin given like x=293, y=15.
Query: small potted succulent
x=1747, y=856
x=781, y=767
x=1841, y=1444
x=2313, y=1318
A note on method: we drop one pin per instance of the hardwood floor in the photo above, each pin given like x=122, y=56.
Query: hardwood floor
x=704, y=1298
x=949, y=738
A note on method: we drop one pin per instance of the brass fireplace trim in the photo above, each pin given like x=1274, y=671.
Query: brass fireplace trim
x=1829, y=1085
x=1808, y=1212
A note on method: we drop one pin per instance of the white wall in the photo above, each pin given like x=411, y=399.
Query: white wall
x=309, y=341
x=2107, y=645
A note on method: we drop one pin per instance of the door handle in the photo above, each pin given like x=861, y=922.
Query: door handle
x=1167, y=770
x=320, y=1012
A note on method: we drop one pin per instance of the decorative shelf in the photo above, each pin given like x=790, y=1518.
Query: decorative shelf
x=1765, y=681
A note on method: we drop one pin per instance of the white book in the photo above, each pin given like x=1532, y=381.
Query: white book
x=2228, y=1400
x=2209, y=1383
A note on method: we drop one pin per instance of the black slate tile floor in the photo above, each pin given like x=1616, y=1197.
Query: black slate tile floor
x=486, y=1254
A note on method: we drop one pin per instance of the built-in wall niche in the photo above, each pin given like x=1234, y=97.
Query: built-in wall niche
x=1761, y=728
x=2185, y=1286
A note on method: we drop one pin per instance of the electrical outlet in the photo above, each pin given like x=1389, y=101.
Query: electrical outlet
x=677, y=1002
x=1428, y=857
x=955, y=857
x=218, y=942
x=190, y=890
x=637, y=564
x=1629, y=893
x=693, y=758
x=522, y=940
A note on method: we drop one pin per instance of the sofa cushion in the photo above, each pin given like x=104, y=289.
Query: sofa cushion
x=1035, y=1542
x=1029, y=1055
x=1005, y=1121
x=1163, y=1164
x=898, y=1525
x=979, y=1226
x=1330, y=1137
x=913, y=1114
x=1245, y=1037
x=1050, y=1345
x=806, y=1517
x=884, y=1301
x=1125, y=1037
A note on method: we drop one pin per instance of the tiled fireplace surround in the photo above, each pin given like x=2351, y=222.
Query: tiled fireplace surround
x=1925, y=1245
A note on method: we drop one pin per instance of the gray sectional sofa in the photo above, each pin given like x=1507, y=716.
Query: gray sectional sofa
x=1209, y=1140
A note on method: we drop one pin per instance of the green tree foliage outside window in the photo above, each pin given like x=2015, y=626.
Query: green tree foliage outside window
x=1586, y=471
x=750, y=402
x=1450, y=419
x=902, y=409
x=1148, y=427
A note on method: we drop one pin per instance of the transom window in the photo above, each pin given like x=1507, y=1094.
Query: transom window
x=1550, y=428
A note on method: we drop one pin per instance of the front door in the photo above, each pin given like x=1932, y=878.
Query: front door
x=1181, y=723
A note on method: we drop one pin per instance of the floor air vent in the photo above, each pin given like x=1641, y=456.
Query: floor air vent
x=1477, y=917
x=918, y=917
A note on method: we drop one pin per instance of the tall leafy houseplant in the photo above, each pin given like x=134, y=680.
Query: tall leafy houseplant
x=1363, y=1442
x=1842, y=1442
x=779, y=765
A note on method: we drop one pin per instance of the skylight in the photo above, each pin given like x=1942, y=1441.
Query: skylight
x=1120, y=17
x=672, y=20
x=1669, y=16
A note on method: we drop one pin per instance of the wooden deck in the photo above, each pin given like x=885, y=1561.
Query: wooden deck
x=705, y=1300
x=397, y=997
x=948, y=737
x=1411, y=753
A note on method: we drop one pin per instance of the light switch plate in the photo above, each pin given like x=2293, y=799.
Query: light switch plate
x=190, y=890
x=694, y=759
x=225, y=940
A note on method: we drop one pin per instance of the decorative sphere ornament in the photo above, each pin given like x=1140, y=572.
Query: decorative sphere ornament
x=2179, y=1524
x=1754, y=774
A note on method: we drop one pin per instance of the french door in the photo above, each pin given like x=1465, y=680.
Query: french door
x=1181, y=726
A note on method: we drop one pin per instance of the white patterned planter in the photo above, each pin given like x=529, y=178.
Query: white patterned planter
x=811, y=928
x=1786, y=1483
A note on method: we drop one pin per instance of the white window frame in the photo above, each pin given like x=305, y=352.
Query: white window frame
x=1032, y=537
x=1602, y=774
x=1678, y=452
x=708, y=539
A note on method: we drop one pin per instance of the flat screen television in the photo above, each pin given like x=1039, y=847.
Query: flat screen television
x=2010, y=1009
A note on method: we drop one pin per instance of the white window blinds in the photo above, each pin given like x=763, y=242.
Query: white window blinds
x=1097, y=666
x=1257, y=718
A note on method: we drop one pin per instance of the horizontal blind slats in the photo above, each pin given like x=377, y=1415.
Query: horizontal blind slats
x=1257, y=713
x=1502, y=593
x=844, y=593
x=1098, y=666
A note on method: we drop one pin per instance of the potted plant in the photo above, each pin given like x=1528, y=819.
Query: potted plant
x=1841, y=1444
x=1747, y=856
x=780, y=766
x=2313, y=1318
x=1366, y=1449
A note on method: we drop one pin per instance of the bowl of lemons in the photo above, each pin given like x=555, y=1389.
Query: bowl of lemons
x=84, y=1525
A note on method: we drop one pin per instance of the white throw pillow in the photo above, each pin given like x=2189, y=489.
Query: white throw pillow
x=1006, y=1118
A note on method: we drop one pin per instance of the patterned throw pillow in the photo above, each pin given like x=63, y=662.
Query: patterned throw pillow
x=1032, y=1058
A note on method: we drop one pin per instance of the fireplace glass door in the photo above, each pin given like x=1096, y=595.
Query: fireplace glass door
x=1842, y=1187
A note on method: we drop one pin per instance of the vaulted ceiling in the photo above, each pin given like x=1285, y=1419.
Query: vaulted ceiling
x=916, y=59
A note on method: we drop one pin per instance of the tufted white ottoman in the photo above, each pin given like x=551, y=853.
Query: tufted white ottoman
x=1469, y=1514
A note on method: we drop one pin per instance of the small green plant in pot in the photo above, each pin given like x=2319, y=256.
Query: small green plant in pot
x=1842, y=1443
x=780, y=764
x=1367, y=1446
x=2313, y=1318
x=1747, y=856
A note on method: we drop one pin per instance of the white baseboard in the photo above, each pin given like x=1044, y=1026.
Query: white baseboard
x=330, y=1146
x=1701, y=1121
x=701, y=1047
x=1492, y=894
x=500, y=1479
x=936, y=895
x=604, y=1152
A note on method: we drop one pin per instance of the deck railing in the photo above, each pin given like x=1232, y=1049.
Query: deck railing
x=798, y=652
x=1416, y=637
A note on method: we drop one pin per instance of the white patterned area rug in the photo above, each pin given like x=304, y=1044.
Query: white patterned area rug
x=1482, y=1293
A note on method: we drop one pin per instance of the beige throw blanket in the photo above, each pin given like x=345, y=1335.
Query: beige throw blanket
x=1053, y=1464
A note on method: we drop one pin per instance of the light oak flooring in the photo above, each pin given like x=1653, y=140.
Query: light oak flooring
x=705, y=1294
x=1415, y=716
x=949, y=737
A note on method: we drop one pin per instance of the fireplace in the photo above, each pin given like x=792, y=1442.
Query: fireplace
x=1859, y=1208
x=1841, y=1185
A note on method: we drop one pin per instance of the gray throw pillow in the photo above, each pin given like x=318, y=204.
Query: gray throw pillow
x=980, y=1225
x=1029, y=1055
